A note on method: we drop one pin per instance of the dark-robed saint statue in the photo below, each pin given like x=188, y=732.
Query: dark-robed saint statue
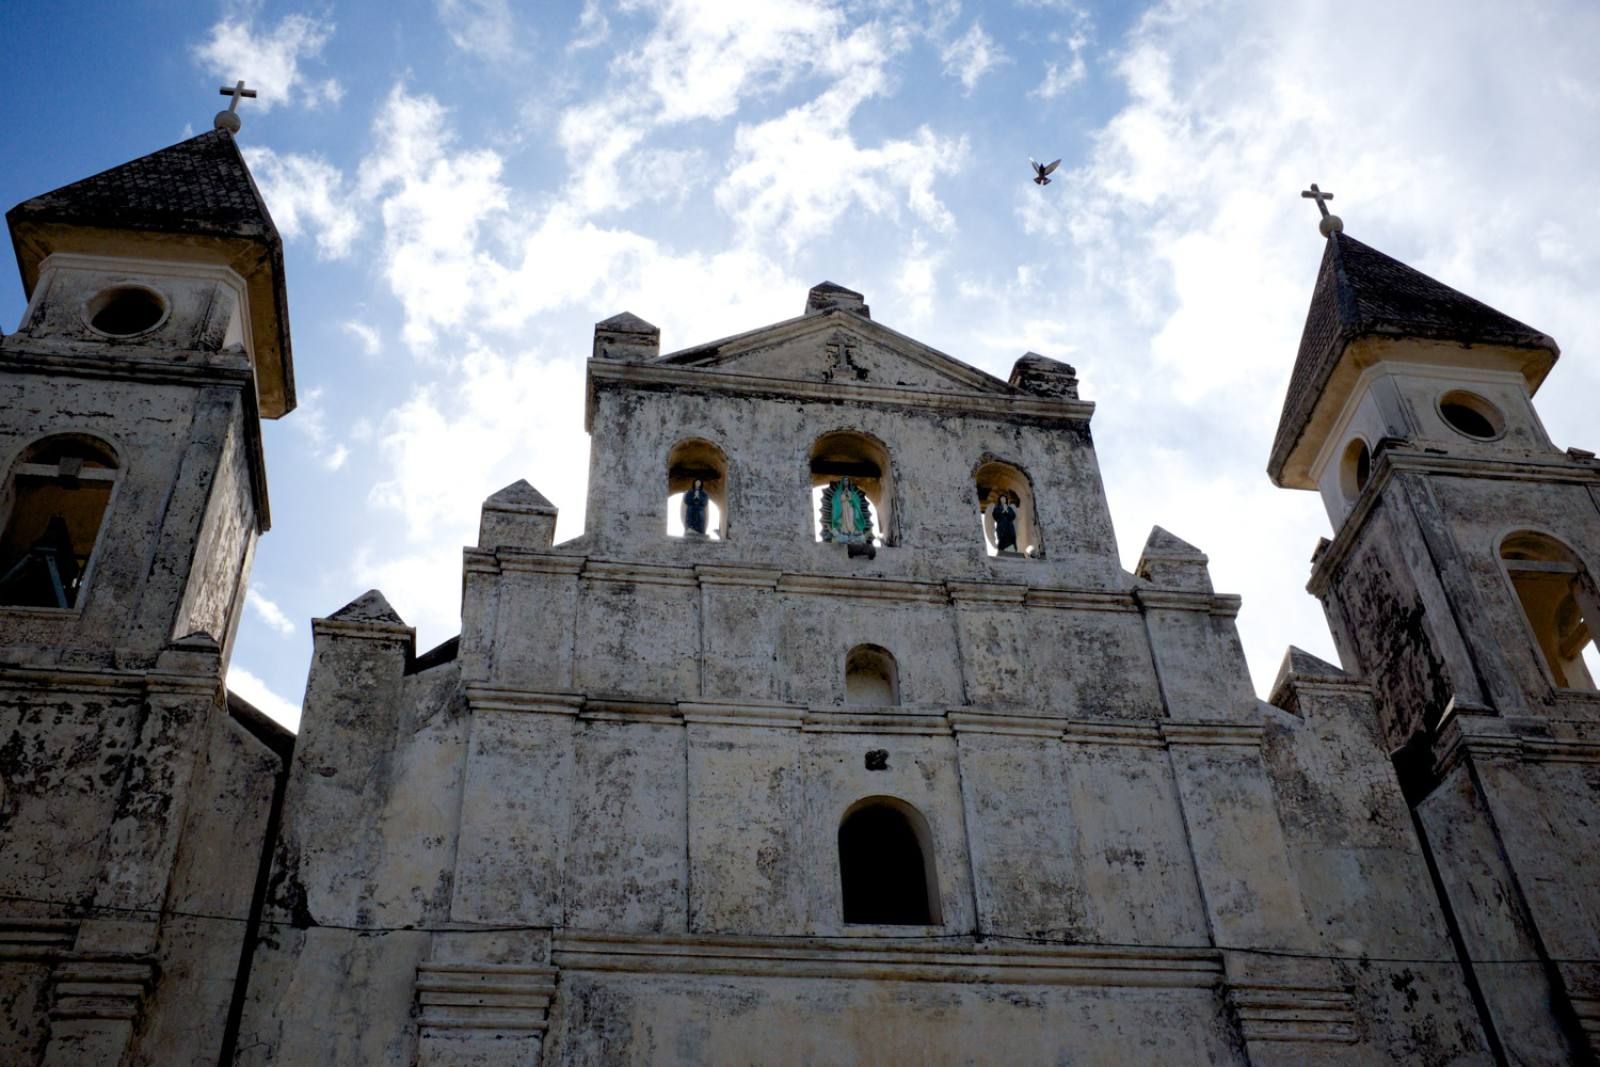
x=695, y=500
x=1004, y=514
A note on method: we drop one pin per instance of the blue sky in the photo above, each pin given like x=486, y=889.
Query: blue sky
x=466, y=186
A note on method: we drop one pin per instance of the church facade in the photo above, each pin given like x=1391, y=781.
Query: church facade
x=839, y=737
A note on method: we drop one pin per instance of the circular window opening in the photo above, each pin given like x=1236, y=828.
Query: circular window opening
x=1355, y=468
x=126, y=310
x=1471, y=415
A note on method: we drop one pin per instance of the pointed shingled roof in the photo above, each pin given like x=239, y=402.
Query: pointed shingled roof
x=199, y=192
x=1362, y=292
x=198, y=186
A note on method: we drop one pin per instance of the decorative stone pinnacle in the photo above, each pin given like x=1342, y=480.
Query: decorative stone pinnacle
x=229, y=119
x=1330, y=224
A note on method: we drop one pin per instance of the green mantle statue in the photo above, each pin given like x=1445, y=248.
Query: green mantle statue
x=846, y=514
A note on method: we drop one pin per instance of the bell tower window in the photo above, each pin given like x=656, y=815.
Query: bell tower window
x=1558, y=599
x=886, y=865
x=55, y=505
x=697, y=490
x=852, y=492
x=1005, y=507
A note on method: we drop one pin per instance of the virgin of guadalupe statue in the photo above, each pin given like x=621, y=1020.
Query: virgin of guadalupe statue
x=846, y=514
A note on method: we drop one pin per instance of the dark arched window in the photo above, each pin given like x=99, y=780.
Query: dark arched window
x=886, y=865
x=55, y=502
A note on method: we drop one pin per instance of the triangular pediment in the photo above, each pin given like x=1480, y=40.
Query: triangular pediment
x=841, y=347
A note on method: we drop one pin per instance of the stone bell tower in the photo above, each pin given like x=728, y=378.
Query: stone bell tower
x=1460, y=583
x=133, y=793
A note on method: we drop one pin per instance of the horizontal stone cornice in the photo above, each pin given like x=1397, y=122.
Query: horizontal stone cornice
x=1223, y=604
x=724, y=713
x=1008, y=725
x=726, y=574
x=995, y=405
x=864, y=721
x=599, y=570
x=491, y=698
x=937, y=960
x=1269, y=1012
x=1212, y=734
x=864, y=588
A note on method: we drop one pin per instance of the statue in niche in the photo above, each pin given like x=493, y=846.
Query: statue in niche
x=1004, y=514
x=694, y=508
x=846, y=514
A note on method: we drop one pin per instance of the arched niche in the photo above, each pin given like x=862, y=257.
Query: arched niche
x=996, y=479
x=871, y=677
x=55, y=503
x=865, y=461
x=1559, y=602
x=886, y=865
x=696, y=459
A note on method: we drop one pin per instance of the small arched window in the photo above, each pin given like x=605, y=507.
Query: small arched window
x=55, y=503
x=1005, y=506
x=886, y=865
x=697, y=490
x=1558, y=599
x=871, y=677
x=847, y=466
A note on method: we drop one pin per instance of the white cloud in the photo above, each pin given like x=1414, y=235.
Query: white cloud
x=367, y=336
x=268, y=611
x=269, y=59
x=258, y=694
x=1058, y=78
x=792, y=178
x=307, y=194
x=971, y=56
x=705, y=56
x=593, y=27
x=310, y=420
x=485, y=28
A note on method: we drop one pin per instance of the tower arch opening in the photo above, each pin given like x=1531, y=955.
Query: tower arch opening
x=1558, y=600
x=1006, y=509
x=845, y=464
x=55, y=505
x=696, y=466
x=886, y=869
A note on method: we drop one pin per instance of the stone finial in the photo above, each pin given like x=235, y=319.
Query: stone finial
x=1044, y=376
x=1170, y=561
x=1301, y=666
x=626, y=336
x=370, y=607
x=518, y=516
x=831, y=297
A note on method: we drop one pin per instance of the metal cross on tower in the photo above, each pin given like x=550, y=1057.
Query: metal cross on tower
x=1330, y=224
x=229, y=119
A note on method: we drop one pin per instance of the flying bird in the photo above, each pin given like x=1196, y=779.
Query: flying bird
x=1041, y=171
